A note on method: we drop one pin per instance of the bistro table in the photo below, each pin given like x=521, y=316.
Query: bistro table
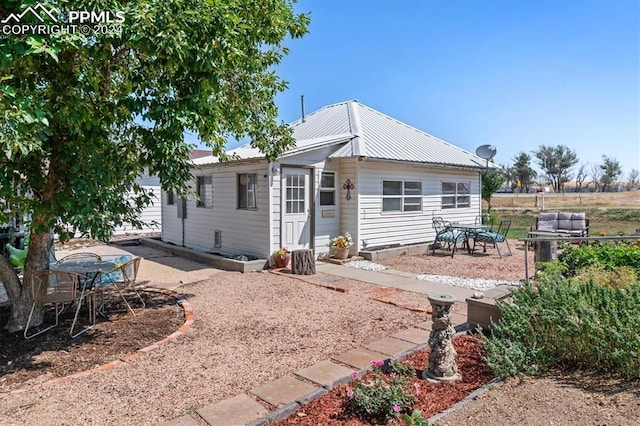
x=92, y=269
x=469, y=231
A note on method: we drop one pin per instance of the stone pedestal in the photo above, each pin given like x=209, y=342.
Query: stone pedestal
x=442, y=363
x=545, y=251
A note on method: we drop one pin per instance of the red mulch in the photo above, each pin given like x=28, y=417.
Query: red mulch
x=433, y=398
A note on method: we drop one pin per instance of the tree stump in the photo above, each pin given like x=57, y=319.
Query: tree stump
x=303, y=262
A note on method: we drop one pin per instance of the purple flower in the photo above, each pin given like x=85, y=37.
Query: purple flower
x=354, y=374
x=396, y=408
x=416, y=388
x=349, y=393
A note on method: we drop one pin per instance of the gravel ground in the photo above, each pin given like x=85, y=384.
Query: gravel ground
x=554, y=399
x=249, y=330
x=252, y=328
x=479, y=265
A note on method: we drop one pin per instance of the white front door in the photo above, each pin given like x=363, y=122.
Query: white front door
x=296, y=208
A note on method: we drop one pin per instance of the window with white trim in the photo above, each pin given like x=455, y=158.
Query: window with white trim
x=171, y=198
x=247, y=191
x=205, y=192
x=327, y=189
x=401, y=196
x=456, y=195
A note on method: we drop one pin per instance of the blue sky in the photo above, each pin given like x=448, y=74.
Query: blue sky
x=515, y=74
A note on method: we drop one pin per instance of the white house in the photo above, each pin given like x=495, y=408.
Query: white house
x=353, y=169
x=151, y=215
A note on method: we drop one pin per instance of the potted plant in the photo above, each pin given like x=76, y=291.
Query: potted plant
x=341, y=245
x=281, y=257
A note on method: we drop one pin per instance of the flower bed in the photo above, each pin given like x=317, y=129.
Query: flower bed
x=429, y=398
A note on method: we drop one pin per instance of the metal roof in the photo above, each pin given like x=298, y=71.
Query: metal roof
x=360, y=131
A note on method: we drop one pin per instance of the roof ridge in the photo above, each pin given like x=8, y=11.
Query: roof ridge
x=358, y=145
x=299, y=120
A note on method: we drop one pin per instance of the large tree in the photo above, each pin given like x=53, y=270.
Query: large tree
x=84, y=113
x=557, y=163
x=522, y=170
x=611, y=171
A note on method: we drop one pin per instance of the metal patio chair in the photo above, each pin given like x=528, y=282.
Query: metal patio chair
x=494, y=238
x=60, y=288
x=122, y=279
x=79, y=257
x=447, y=235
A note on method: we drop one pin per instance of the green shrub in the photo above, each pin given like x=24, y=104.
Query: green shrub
x=563, y=324
x=383, y=393
x=550, y=270
x=609, y=254
x=609, y=277
x=415, y=419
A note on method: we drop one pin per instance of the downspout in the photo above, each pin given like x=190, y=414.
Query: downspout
x=358, y=215
x=271, y=169
x=480, y=197
x=163, y=197
x=183, y=216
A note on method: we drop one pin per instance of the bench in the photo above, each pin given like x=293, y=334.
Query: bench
x=563, y=224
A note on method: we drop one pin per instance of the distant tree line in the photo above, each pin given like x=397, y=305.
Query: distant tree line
x=560, y=169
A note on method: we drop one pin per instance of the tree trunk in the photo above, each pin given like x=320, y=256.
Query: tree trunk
x=303, y=262
x=19, y=297
x=19, y=293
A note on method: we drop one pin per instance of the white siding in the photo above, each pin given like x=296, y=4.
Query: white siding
x=382, y=228
x=151, y=215
x=171, y=224
x=349, y=169
x=327, y=218
x=243, y=231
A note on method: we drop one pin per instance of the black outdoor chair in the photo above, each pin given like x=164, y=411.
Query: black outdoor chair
x=493, y=237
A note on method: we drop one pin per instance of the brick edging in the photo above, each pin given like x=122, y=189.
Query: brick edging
x=189, y=317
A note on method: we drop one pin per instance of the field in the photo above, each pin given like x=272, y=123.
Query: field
x=607, y=212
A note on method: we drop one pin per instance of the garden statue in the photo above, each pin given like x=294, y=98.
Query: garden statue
x=442, y=362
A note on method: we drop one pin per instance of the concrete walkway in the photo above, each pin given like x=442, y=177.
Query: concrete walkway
x=157, y=267
x=396, y=279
